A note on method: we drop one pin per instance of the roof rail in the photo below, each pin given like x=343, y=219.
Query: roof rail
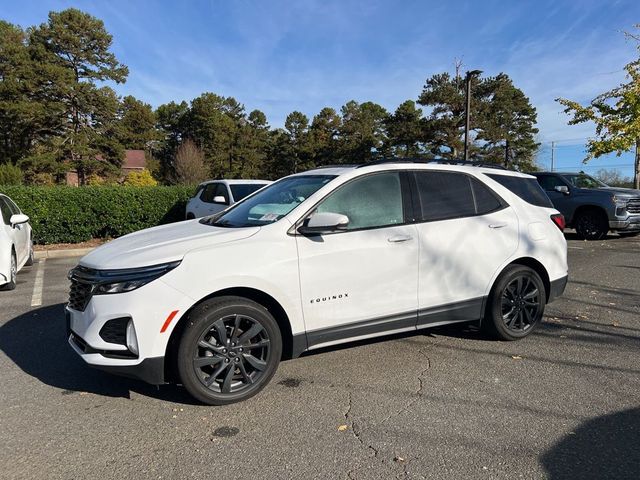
x=473, y=163
x=339, y=165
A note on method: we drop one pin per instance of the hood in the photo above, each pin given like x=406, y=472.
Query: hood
x=623, y=192
x=162, y=244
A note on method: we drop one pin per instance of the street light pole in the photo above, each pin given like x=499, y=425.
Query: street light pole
x=467, y=120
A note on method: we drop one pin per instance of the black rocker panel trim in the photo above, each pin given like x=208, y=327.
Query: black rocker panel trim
x=358, y=329
x=467, y=310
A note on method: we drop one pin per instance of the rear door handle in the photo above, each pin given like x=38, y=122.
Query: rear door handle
x=400, y=238
x=497, y=225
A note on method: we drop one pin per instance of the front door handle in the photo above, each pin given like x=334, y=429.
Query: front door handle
x=400, y=238
x=497, y=225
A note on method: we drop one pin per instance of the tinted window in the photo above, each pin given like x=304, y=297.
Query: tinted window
x=5, y=210
x=527, y=189
x=444, y=195
x=370, y=201
x=243, y=190
x=209, y=192
x=12, y=206
x=486, y=201
x=214, y=190
x=550, y=182
x=582, y=180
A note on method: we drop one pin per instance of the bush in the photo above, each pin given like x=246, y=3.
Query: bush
x=10, y=174
x=63, y=214
x=143, y=178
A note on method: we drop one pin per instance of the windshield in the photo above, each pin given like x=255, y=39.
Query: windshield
x=582, y=180
x=270, y=204
x=241, y=190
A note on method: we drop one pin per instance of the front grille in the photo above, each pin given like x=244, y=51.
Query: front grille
x=79, y=295
x=634, y=205
x=115, y=331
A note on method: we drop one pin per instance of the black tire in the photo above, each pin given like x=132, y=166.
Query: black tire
x=30, y=259
x=13, y=271
x=207, y=350
x=591, y=225
x=516, y=303
x=190, y=216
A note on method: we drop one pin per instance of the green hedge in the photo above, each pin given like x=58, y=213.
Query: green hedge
x=63, y=214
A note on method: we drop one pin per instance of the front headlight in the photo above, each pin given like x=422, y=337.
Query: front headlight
x=620, y=202
x=106, y=282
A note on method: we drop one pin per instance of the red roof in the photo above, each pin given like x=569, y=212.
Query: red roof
x=134, y=159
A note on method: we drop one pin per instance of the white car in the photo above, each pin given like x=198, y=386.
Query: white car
x=215, y=195
x=16, y=248
x=316, y=259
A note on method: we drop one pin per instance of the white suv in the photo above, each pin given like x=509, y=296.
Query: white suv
x=315, y=259
x=216, y=195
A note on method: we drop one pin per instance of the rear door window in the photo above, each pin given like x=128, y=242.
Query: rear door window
x=528, y=189
x=444, y=195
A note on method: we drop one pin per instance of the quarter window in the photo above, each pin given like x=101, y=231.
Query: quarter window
x=369, y=202
x=527, y=189
x=486, y=201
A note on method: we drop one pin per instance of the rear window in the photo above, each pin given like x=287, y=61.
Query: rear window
x=527, y=189
x=242, y=190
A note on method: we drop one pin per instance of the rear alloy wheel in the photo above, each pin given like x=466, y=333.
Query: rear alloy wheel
x=592, y=225
x=13, y=273
x=516, y=303
x=229, y=351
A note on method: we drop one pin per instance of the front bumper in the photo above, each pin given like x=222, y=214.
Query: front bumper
x=556, y=288
x=630, y=224
x=150, y=370
x=148, y=308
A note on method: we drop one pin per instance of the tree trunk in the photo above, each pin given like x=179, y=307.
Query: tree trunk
x=636, y=167
x=506, y=154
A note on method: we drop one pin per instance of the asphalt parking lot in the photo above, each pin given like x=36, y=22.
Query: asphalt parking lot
x=445, y=403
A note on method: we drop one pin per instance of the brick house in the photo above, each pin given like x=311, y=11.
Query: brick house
x=134, y=160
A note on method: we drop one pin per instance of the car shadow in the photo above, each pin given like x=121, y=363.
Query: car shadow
x=36, y=342
x=602, y=447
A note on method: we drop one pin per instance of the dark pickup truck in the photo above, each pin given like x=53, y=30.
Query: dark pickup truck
x=590, y=206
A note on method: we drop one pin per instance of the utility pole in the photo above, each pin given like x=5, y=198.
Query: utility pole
x=553, y=154
x=467, y=120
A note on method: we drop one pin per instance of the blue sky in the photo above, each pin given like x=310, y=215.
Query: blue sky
x=304, y=55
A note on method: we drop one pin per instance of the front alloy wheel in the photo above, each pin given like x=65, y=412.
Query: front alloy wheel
x=229, y=351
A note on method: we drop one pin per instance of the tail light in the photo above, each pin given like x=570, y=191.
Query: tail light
x=558, y=219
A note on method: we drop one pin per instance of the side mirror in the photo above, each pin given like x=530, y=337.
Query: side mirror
x=220, y=199
x=562, y=189
x=18, y=218
x=325, y=222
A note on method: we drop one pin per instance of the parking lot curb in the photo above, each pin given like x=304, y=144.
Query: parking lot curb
x=62, y=253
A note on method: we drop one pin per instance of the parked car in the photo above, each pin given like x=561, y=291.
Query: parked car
x=216, y=195
x=592, y=207
x=315, y=259
x=16, y=247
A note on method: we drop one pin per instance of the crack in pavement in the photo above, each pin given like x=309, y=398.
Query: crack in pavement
x=357, y=433
x=417, y=394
